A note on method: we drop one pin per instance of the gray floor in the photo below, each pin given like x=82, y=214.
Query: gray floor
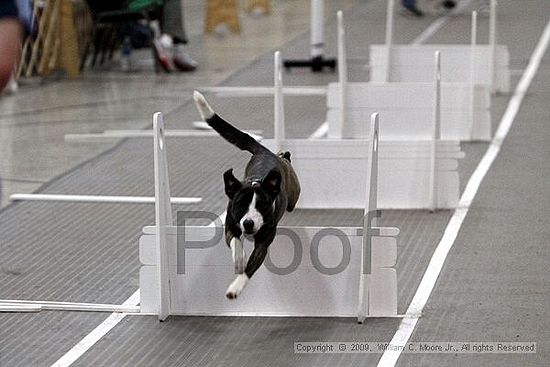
x=490, y=289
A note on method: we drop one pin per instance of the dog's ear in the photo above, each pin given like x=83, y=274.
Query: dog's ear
x=272, y=183
x=232, y=185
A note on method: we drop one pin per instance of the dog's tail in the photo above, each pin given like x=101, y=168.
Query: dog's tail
x=229, y=132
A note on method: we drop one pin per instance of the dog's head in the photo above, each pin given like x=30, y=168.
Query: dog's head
x=252, y=205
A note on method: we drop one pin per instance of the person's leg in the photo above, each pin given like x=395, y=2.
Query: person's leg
x=172, y=25
x=410, y=6
x=10, y=40
x=172, y=21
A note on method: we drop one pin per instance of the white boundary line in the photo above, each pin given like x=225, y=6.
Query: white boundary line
x=95, y=335
x=427, y=284
x=100, y=331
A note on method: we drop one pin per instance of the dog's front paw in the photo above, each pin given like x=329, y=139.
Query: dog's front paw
x=236, y=287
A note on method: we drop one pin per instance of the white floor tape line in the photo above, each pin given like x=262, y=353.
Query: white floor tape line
x=95, y=335
x=427, y=284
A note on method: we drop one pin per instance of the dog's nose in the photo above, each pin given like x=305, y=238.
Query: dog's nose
x=248, y=225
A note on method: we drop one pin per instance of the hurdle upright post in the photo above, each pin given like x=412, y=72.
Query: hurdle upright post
x=317, y=28
x=493, y=44
x=342, y=72
x=317, y=62
x=278, y=101
x=371, y=197
x=163, y=215
x=473, y=66
x=435, y=133
x=389, y=38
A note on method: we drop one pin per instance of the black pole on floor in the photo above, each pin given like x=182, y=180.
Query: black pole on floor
x=317, y=64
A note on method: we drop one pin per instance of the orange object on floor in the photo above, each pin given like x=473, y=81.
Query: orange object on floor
x=262, y=5
x=222, y=12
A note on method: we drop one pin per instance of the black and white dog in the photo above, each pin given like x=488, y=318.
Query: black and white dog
x=257, y=203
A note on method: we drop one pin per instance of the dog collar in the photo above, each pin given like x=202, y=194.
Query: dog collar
x=254, y=181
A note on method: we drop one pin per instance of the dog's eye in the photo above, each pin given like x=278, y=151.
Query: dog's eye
x=264, y=202
x=243, y=197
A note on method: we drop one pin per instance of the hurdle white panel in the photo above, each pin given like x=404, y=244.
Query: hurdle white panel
x=303, y=292
x=414, y=63
x=330, y=173
x=406, y=110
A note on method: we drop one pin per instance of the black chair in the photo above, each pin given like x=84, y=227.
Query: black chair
x=108, y=18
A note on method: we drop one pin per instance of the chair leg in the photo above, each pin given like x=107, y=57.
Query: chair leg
x=105, y=43
x=87, y=48
x=113, y=43
x=97, y=43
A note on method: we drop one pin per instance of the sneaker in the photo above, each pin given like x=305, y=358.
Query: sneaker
x=413, y=10
x=162, y=58
x=182, y=61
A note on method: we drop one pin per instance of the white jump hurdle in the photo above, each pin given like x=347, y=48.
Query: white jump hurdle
x=413, y=63
x=413, y=174
x=310, y=271
x=406, y=108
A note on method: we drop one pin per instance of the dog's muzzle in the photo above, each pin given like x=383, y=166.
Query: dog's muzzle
x=248, y=226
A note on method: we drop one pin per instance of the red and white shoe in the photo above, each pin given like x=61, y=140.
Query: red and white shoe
x=162, y=56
